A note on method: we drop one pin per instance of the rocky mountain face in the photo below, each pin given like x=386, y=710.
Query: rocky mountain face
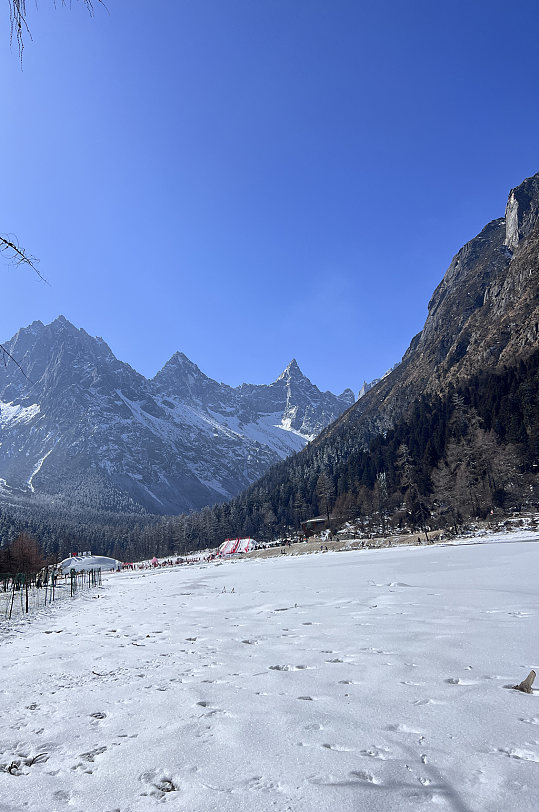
x=439, y=456
x=483, y=315
x=368, y=385
x=84, y=428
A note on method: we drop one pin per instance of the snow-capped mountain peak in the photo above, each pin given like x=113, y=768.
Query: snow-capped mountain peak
x=88, y=428
x=292, y=372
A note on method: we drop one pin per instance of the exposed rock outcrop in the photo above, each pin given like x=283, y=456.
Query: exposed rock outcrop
x=484, y=314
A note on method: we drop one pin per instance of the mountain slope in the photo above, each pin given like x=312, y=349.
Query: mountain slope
x=480, y=342
x=483, y=315
x=88, y=428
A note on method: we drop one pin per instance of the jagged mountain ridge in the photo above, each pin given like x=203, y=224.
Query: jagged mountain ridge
x=483, y=322
x=483, y=315
x=86, y=427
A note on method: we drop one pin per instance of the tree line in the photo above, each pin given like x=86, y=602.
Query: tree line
x=452, y=459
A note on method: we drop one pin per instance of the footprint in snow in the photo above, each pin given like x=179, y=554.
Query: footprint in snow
x=159, y=783
x=399, y=728
x=91, y=754
x=82, y=767
x=213, y=710
x=519, y=754
x=364, y=775
x=62, y=795
x=259, y=783
x=428, y=701
x=381, y=753
x=339, y=748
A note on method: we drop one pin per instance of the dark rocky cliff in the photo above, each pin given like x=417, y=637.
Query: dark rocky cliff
x=483, y=315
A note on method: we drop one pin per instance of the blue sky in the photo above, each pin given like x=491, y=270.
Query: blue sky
x=249, y=181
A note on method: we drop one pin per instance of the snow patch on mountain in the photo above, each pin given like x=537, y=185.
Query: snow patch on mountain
x=37, y=469
x=12, y=413
x=90, y=424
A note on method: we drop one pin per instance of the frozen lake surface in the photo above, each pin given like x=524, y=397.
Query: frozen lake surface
x=369, y=680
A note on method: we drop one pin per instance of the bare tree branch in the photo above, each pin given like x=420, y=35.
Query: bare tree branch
x=16, y=255
x=8, y=242
x=19, y=26
x=5, y=355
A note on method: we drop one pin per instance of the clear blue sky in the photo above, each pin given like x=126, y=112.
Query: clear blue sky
x=252, y=180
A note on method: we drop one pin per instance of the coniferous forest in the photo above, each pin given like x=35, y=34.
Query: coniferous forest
x=465, y=456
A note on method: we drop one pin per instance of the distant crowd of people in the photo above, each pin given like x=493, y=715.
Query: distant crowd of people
x=169, y=562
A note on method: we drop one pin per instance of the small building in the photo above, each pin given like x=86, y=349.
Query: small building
x=235, y=546
x=311, y=527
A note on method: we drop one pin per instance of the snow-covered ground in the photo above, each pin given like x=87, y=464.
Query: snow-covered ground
x=369, y=680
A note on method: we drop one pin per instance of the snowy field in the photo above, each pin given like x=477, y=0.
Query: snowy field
x=371, y=680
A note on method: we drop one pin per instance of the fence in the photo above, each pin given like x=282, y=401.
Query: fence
x=21, y=593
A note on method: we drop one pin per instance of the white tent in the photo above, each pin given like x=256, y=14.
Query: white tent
x=88, y=562
x=233, y=546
